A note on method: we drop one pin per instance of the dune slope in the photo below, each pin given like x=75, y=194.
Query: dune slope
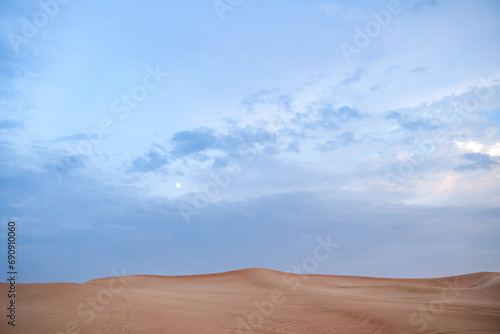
x=259, y=301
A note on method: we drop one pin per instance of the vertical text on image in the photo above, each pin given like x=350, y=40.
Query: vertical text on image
x=12, y=273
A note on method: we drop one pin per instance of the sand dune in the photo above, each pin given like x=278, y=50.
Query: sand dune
x=259, y=301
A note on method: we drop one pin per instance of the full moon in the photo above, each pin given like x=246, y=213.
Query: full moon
x=178, y=185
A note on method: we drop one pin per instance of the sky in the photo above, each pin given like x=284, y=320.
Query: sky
x=190, y=137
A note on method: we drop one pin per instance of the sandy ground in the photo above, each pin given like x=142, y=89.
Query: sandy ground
x=258, y=301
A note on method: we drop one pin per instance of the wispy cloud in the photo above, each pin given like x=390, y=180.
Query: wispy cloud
x=10, y=124
x=479, y=161
x=412, y=123
x=194, y=141
x=151, y=162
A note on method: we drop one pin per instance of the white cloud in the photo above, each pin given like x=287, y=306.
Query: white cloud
x=472, y=146
x=494, y=150
x=477, y=147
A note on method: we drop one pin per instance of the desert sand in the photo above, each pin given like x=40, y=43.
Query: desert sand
x=259, y=301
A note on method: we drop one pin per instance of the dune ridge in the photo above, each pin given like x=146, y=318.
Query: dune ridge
x=260, y=301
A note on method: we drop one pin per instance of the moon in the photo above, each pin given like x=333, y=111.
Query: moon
x=177, y=185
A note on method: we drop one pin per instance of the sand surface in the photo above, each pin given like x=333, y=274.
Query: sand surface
x=259, y=301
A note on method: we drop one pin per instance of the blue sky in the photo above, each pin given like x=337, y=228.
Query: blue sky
x=176, y=137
